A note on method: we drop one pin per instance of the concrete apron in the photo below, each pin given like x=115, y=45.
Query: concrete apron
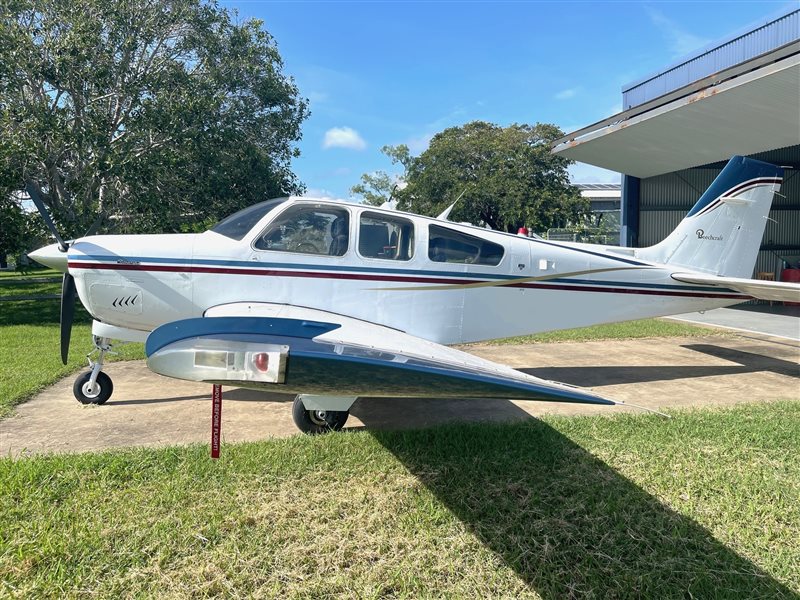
x=149, y=410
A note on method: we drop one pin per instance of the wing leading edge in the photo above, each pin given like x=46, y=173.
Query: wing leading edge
x=298, y=350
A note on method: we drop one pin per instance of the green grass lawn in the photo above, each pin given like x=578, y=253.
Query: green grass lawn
x=31, y=359
x=645, y=328
x=30, y=352
x=34, y=272
x=29, y=289
x=704, y=505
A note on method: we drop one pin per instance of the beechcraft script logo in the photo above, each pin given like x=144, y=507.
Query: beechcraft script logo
x=701, y=235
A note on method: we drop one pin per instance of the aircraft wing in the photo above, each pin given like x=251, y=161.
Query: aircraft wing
x=300, y=350
x=757, y=288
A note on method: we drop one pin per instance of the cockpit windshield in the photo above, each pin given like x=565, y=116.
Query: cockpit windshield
x=237, y=225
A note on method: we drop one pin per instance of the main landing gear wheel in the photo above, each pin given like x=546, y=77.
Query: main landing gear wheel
x=97, y=394
x=317, y=421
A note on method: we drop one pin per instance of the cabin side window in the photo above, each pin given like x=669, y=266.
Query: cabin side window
x=447, y=245
x=385, y=237
x=239, y=224
x=308, y=229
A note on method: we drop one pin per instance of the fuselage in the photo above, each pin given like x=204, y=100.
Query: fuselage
x=438, y=280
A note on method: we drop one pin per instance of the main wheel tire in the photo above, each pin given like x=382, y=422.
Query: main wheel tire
x=314, y=422
x=103, y=388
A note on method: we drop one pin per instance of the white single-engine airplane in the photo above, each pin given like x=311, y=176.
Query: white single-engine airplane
x=334, y=300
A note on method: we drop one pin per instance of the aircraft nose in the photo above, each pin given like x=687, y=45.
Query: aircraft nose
x=50, y=256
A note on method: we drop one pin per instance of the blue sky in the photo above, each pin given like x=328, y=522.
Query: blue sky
x=378, y=73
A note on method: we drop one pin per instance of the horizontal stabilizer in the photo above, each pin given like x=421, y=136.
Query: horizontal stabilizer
x=757, y=288
x=299, y=350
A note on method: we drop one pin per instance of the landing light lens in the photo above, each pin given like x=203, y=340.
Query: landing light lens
x=261, y=361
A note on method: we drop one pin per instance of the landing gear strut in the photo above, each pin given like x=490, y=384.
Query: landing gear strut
x=95, y=387
x=312, y=415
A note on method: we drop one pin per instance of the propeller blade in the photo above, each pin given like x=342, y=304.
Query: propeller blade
x=67, y=313
x=37, y=200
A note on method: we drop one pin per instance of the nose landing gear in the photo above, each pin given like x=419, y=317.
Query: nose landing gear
x=98, y=392
x=94, y=386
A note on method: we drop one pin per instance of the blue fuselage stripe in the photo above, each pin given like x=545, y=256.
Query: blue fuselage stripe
x=316, y=268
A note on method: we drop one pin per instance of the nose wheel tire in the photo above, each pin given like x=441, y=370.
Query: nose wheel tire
x=97, y=394
x=317, y=421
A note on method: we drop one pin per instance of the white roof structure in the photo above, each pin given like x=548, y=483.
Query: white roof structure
x=753, y=112
x=600, y=190
x=740, y=95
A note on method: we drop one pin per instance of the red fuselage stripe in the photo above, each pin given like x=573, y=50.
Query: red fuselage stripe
x=394, y=278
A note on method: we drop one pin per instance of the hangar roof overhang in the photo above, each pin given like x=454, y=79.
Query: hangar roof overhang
x=751, y=112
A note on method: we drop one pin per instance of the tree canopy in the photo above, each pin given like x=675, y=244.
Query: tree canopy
x=379, y=187
x=506, y=177
x=156, y=114
x=12, y=228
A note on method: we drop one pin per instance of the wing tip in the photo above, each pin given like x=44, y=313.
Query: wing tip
x=644, y=408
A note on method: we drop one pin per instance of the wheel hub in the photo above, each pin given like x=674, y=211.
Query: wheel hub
x=90, y=391
x=317, y=417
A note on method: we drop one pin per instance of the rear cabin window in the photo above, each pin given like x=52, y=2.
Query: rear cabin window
x=386, y=237
x=308, y=229
x=447, y=245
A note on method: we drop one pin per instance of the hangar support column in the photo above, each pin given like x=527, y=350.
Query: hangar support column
x=629, y=217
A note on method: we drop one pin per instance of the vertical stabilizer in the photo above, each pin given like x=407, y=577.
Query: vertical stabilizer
x=722, y=233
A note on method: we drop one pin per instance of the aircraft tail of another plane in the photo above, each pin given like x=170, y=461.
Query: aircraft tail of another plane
x=722, y=233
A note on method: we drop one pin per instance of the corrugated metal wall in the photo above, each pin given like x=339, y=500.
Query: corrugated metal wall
x=784, y=30
x=666, y=199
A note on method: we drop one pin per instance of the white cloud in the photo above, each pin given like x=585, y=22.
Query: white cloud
x=318, y=193
x=566, y=94
x=343, y=137
x=680, y=41
x=583, y=173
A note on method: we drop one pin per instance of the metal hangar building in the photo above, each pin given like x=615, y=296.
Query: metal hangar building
x=680, y=126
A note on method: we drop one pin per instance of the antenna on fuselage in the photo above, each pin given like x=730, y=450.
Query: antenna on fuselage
x=446, y=212
x=391, y=203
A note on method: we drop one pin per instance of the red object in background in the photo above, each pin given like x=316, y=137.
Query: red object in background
x=216, y=419
x=792, y=276
x=523, y=231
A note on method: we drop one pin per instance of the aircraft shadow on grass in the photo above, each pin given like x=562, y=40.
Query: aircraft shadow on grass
x=566, y=522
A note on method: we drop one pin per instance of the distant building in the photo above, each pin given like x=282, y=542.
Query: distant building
x=605, y=202
x=680, y=125
x=603, y=227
